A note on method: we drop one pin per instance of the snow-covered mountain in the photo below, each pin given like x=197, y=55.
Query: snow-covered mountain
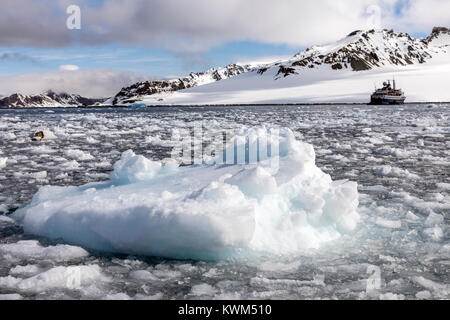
x=47, y=99
x=344, y=71
x=132, y=93
x=361, y=51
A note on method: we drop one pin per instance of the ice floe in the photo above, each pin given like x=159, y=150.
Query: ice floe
x=208, y=211
x=3, y=162
x=72, y=277
x=31, y=249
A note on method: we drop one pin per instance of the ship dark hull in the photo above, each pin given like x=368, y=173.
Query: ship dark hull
x=387, y=101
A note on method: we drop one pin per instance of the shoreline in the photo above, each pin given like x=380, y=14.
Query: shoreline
x=224, y=105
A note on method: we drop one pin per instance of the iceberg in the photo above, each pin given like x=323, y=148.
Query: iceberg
x=207, y=211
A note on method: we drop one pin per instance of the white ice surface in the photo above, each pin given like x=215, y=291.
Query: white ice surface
x=208, y=211
x=3, y=162
x=72, y=277
x=31, y=249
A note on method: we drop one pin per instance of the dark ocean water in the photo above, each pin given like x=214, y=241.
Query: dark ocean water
x=398, y=155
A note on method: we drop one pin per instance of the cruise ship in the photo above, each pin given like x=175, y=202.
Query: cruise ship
x=389, y=94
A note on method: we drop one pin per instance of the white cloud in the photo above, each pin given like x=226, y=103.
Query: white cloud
x=89, y=83
x=198, y=25
x=69, y=67
x=422, y=15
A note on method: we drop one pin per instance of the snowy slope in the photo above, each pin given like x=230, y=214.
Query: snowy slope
x=146, y=88
x=345, y=71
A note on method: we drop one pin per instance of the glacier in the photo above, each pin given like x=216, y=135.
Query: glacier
x=209, y=211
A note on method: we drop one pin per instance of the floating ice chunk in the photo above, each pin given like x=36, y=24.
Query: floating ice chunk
x=388, y=151
x=434, y=219
x=157, y=141
x=117, y=297
x=7, y=136
x=28, y=270
x=411, y=216
x=424, y=295
x=391, y=224
x=279, y=266
x=5, y=219
x=392, y=296
x=3, y=162
x=33, y=175
x=443, y=186
x=42, y=150
x=102, y=164
x=70, y=165
x=78, y=155
x=62, y=176
x=203, y=290
x=208, y=211
x=31, y=249
x=283, y=283
x=389, y=171
x=11, y=296
x=91, y=140
x=420, y=143
x=157, y=296
x=132, y=168
x=143, y=275
x=439, y=289
x=435, y=233
x=38, y=175
x=73, y=277
x=228, y=296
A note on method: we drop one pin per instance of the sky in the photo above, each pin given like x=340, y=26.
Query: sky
x=120, y=42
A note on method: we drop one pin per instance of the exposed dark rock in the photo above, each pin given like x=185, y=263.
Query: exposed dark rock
x=47, y=99
x=359, y=64
x=364, y=53
x=336, y=66
x=301, y=63
x=436, y=32
x=286, y=71
x=148, y=88
x=439, y=30
x=262, y=71
x=354, y=33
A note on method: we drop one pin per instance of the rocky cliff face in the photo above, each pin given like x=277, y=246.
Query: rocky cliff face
x=364, y=50
x=47, y=99
x=440, y=37
x=132, y=93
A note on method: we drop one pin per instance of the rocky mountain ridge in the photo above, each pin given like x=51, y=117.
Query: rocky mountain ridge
x=364, y=50
x=47, y=99
x=132, y=93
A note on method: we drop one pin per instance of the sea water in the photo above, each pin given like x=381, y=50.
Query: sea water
x=397, y=248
